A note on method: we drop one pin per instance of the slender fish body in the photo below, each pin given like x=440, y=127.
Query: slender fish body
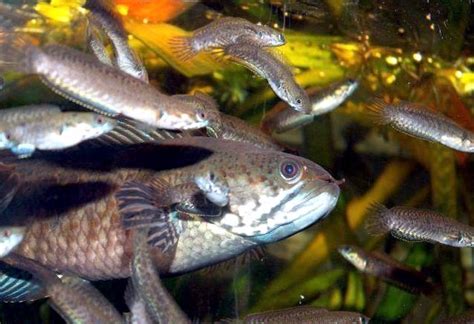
x=25, y=114
x=421, y=122
x=138, y=313
x=97, y=86
x=75, y=299
x=75, y=216
x=277, y=73
x=223, y=32
x=412, y=224
x=160, y=305
x=388, y=269
x=307, y=315
x=232, y=128
x=56, y=131
x=282, y=118
x=228, y=127
x=125, y=59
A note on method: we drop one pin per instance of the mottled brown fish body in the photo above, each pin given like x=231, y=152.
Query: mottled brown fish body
x=88, y=241
x=73, y=221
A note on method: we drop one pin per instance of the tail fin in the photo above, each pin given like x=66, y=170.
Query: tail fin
x=376, y=111
x=181, y=47
x=15, y=51
x=377, y=222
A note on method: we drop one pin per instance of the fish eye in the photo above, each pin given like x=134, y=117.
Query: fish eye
x=290, y=170
x=201, y=114
x=100, y=120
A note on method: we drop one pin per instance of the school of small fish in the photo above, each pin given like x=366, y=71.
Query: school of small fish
x=163, y=184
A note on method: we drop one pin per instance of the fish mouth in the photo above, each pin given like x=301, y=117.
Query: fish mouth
x=311, y=206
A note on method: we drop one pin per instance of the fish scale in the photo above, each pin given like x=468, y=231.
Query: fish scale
x=89, y=237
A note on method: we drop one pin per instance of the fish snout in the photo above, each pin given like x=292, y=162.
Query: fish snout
x=281, y=39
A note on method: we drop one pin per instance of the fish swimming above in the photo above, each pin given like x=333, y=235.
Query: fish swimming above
x=229, y=127
x=388, y=269
x=105, y=19
x=278, y=75
x=87, y=81
x=48, y=129
x=75, y=299
x=412, y=224
x=421, y=122
x=80, y=207
x=306, y=314
x=223, y=32
x=282, y=118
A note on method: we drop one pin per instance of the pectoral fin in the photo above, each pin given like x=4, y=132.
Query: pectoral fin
x=140, y=206
x=199, y=205
x=215, y=189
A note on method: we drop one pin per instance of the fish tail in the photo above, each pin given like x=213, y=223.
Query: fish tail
x=181, y=46
x=377, y=222
x=377, y=111
x=16, y=52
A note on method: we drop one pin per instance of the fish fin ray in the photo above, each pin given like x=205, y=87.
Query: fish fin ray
x=181, y=47
x=15, y=51
x=376, y=111
x=139, y=206
x=376, y=222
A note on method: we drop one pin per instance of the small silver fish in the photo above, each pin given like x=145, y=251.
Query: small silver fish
x=125, y=58
x=307, y=315
x=58, y=131
x=421, y=122
x=10, y=238
x=412, y=224
x=282, y=118
x=97, y=86
x=223, y=32
x=386, y=268
x=278, y=74
x=229, y=127
x=23, y=114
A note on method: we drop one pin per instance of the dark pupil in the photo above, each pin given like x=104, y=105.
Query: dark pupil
x=289, y=170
